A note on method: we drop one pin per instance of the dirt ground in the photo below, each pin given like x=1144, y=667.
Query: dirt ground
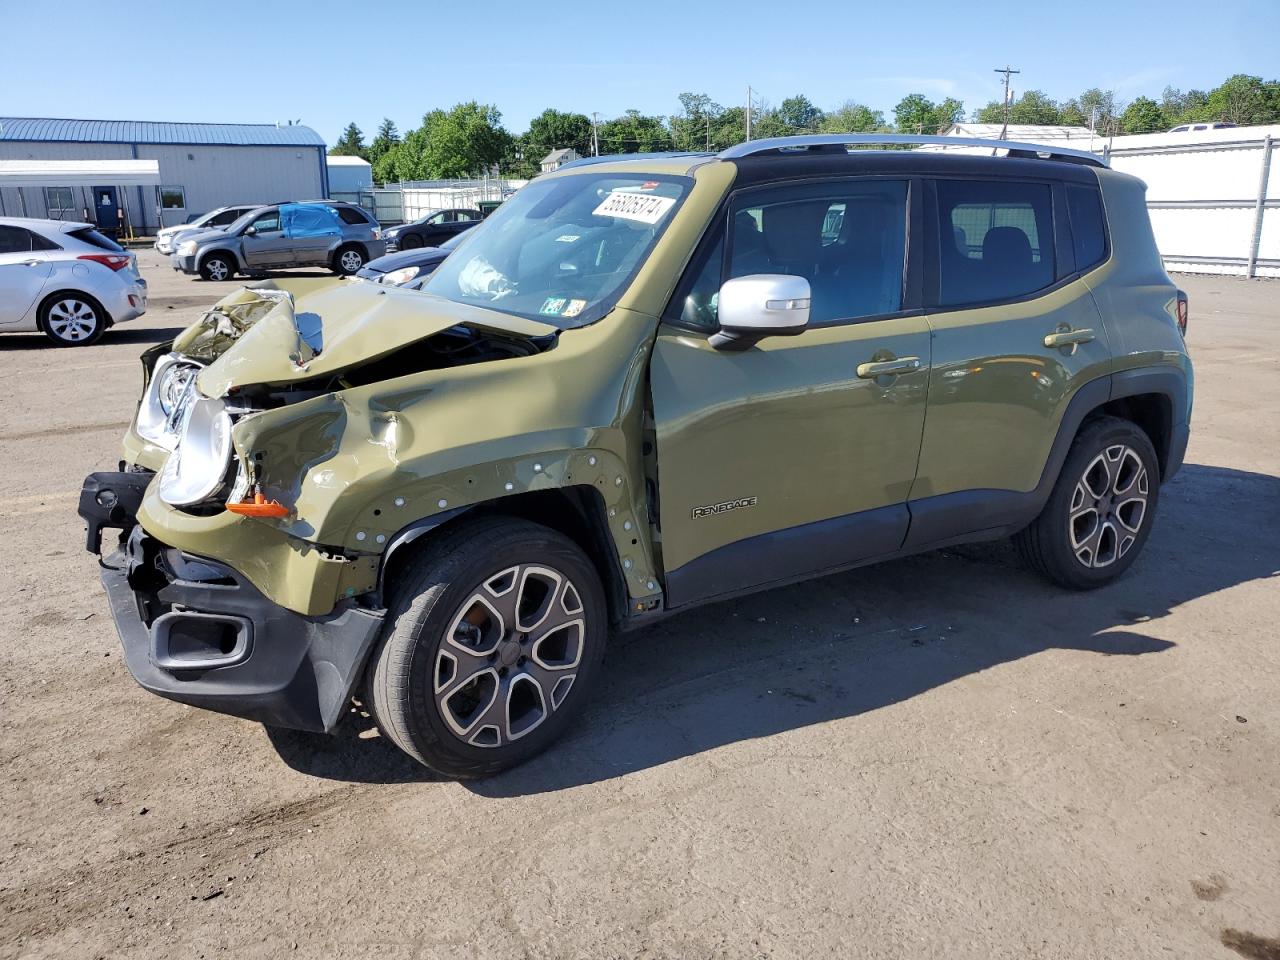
x=941, y=756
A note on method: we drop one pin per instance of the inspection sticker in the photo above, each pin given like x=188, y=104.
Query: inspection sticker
x=574, y=308
x=642, y=208
x=552, y=306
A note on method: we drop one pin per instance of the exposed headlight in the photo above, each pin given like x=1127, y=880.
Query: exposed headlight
x=198, y=465
x=163, y=405
x=397, y=277
x=186, y=248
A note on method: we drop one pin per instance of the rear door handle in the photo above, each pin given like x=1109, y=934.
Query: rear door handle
x=1069, y=338
x=33, y=262
x=887, y=368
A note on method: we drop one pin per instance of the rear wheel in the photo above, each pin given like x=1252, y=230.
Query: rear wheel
x=1099, y=515
x=217, y=266
x=72, y=319
x=494, y=637
x=348, y=261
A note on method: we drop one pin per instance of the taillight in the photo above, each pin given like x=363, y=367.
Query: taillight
x=116, y=261
x=1183, y=313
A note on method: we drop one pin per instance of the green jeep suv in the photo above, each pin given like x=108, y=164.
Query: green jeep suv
x=643, y=384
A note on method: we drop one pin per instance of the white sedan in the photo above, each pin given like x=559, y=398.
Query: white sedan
x=167, y=237
x=65, y=279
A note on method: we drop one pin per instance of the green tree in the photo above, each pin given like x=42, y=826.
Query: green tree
x=729, y=128
x=916, y=113
x=1182, y=107
x=455, y=143
x=350, y=144
x=799, y=114
x=384, y=141
x=1244, y=100
x=634, y=132
x=1142, y=116
x=553, y=130
x=851, y=117
x=693, y=127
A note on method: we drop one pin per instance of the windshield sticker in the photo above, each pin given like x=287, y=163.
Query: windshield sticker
x=568, y=238
x=552, y=306
x=649, y=185
x=631, y=206
x=574, y=308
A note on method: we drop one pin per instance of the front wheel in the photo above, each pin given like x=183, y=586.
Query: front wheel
x=1100, y=512
x=494, y=638
x=410, y=241
x=217, y=267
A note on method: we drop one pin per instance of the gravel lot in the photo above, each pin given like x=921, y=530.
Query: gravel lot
x=941, y=756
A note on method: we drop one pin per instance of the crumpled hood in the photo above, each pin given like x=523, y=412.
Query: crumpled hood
x=278, y=332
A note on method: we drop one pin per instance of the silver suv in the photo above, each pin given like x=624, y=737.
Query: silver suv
x=340, y=236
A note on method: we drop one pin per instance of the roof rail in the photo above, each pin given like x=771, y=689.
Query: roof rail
x=617, y=157
x=803, y=143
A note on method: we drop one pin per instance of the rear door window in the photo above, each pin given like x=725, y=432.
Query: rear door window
x=14, y=240
x=309, y=220
x=995, y=240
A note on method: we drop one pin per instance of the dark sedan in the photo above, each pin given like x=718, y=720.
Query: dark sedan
x=408, y=268
x=432, y=230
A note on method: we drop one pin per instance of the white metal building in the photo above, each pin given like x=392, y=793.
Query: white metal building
x=202, y=166
x=349, y=175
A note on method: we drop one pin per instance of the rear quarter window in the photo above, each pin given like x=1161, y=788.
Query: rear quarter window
x=1088, y=227
x=352, y=216
x=95, y=239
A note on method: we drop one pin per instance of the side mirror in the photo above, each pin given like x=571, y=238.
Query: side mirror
x=251, y=231
x=761, y=305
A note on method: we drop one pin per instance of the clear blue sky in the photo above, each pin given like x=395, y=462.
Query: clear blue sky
x=328, y=63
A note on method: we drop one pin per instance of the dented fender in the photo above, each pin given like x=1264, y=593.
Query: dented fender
x=358, y=465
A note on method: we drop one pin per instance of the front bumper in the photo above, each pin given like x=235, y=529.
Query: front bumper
x=183, y=264
x=198, y=632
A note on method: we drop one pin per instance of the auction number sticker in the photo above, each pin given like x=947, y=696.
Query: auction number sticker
x=643, y=208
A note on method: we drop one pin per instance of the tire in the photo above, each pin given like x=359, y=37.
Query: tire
x=72, y=319
x=453, y=682
x=348, y=260
x=217, y=267
x=1101, y=510
x=411, y=242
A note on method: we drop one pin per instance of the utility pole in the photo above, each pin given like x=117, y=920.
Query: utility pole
x=748, y=113
x=595, y=138
x=1007, y=71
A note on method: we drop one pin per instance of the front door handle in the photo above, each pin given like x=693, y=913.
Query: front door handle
x=33, y=262
x=1069, y=338
x=887, y=368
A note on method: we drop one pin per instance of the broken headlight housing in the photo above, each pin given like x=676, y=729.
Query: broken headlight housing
x=199, y=464
x=163, y=405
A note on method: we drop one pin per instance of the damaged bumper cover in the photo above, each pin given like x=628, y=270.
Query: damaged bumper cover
x=198, y=632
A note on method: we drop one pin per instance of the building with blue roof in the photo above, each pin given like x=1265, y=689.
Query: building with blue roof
x=202, y=166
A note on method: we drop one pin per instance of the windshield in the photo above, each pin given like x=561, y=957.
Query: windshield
x=561, y=250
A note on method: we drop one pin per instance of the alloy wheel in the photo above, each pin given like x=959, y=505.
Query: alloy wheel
x=510, y=655
x=351, y=261
x=1108, y=506
x=217, y=269
x=72, y=320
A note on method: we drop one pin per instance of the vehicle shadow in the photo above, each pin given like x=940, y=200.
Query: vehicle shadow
x=15, y=342
x=848, y=644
